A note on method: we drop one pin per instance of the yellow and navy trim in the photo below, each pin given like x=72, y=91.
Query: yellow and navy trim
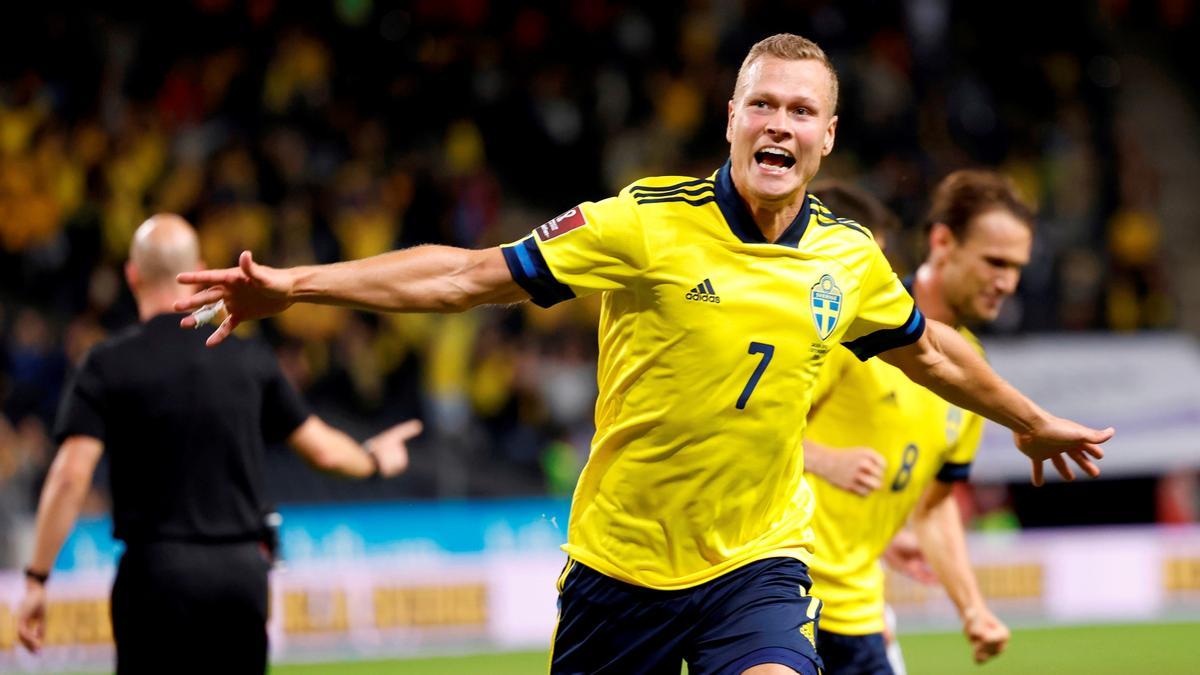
x=558, y=585
x=826, y=218
x=889, y=338
x=696, y=192
x=742, y=224
x=566, y=571
x=529, y=269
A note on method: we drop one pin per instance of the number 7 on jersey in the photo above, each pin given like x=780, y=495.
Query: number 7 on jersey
x=767, y=351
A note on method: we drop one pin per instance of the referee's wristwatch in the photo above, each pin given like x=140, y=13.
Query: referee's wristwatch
x=37, y=576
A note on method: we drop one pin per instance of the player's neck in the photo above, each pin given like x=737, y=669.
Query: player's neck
x=155, y=300
x=773, y=219
x=930, y=296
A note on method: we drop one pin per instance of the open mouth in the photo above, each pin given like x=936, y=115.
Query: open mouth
x=775, y=159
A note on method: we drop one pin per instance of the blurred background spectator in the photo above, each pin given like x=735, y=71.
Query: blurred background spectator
x=312, y=132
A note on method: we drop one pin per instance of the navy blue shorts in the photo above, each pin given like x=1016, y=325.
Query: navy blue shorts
x=854, y=654
x=757, y=614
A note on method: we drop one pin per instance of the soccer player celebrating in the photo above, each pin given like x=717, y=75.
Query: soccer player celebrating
x=881, y=447
x=689, y=530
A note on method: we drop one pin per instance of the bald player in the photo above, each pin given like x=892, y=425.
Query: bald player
x=184, y=428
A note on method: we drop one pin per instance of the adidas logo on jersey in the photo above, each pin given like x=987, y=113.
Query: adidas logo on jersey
x=703, y=292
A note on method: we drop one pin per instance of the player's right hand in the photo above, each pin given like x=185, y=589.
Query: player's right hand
x=250, y=291
x=987, y=634
x=857, y=470
x=1055, y=438
x=31, y=617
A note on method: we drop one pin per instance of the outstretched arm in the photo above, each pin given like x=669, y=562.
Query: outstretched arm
x=332, y=451
x=62, y=497
x=939, y=529
x=945, y=363
x=421, y=279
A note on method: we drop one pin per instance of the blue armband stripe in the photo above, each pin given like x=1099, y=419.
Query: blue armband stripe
x=917, y=319
x=526, y=264
x=529, y=269
x=889, y=338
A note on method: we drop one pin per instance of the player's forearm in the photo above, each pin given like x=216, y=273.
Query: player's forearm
x=948, y=366
x=421, y=279
x=939, y=531
x=349, y=460
x=58, y=509
x=331, y=450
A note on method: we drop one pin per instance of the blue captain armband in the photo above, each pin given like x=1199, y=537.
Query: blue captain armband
x=529, y=269
x=889, y=338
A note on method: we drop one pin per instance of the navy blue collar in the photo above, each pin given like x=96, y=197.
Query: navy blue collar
x=737, y=214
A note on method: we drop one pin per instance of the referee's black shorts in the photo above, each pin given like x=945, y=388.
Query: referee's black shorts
x=185, y=607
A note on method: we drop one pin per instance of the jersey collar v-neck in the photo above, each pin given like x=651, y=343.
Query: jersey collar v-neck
x=742, y=224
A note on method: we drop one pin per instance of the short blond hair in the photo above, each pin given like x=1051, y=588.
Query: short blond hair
x=788, y=47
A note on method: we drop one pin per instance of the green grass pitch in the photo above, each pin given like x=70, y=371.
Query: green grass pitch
x=1086, y=650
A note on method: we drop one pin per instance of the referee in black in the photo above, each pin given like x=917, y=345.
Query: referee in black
x=184, y=427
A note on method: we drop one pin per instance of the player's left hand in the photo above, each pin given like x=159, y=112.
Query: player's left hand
x=391, y=447
x=903, y=554
x=31, y=617
x=987, y=634
x=1055, y=439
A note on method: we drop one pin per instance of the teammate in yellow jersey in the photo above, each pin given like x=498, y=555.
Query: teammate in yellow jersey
x=880, y=448
x=689, y=528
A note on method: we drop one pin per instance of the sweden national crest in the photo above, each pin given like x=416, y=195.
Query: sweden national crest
x=826, y=300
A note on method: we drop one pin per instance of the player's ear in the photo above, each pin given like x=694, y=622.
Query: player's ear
x=132, y=276
x=941, y=239
x=830, y=135
x=729, y=123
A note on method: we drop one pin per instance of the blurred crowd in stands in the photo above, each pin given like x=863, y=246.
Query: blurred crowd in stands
x=318, y=131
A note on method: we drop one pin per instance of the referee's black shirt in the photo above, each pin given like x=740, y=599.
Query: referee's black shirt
x=183, y=426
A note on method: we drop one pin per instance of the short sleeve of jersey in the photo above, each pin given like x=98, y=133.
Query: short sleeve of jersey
x=957, y=466
x=594, y=247
x=959, y=458
x=887, y=316
x=283, y=410
x=81, y=411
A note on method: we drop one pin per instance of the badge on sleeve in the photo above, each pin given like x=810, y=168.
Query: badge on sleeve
x=562, y=224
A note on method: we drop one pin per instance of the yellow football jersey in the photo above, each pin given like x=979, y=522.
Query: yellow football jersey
x=711, y=340
x=922, y=437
